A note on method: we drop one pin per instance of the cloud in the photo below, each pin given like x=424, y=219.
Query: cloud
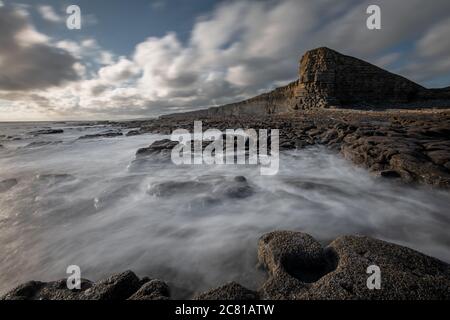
x=87, y=49
x=27, y=59
x=158, y=4
x=49, y=14
x=236, y=51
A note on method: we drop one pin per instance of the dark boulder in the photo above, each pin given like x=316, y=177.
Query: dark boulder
x=300, y=268
x=229, y=291
x=133, y=133
x=56, y=290
x=152, y=290
x=161, y=147
x=172, y=188
x=117, y=287
x=47, y=131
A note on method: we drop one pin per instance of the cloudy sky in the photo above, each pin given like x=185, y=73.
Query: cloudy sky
x=143, y=58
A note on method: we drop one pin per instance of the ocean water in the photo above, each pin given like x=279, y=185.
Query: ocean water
x=65, y=201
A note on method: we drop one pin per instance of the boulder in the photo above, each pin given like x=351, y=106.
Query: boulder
x=152, y=290
x=161, y=147
x=133, y=133
x=56, y=290
x=229, y=291
x=117, y=287
x=300, y=268
x=172, y=188
x=121, y=286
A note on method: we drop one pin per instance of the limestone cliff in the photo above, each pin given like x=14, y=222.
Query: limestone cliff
x=330, y=79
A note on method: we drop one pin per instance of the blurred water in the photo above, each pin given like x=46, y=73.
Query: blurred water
x=86, y=202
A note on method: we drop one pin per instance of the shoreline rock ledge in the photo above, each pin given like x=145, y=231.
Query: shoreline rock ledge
x=298, y=267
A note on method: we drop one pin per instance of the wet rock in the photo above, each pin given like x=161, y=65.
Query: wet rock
x=161, y=147
x=292, y=260
x=229, y=291
x=421, y=169
x=107, y=134
x=120, y=286
x=368, y=139
x=7, y=184
x=300, y=268
x=440, y=157
x=36, y=290
x=47, y=131
x=391, y=174
x=13, y=138
x=172, y=188
x=401, y=154
x=238, y=188
x=117, y=287
x=133, y=133
x=152, y=290
x=25, y=291
x=240, y=179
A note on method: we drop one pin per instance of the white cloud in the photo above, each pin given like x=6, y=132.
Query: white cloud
x=49, y=14
x=239, y=49
x=87, y=49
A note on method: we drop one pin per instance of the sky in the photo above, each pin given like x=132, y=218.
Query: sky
x=144, y=58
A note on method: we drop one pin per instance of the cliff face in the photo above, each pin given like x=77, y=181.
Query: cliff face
x=279, y=100
x=330, y=79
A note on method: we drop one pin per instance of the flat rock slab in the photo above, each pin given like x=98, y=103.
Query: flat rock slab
x=340, y=269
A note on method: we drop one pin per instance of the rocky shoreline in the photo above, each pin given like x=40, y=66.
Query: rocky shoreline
x=412, y=146
x=298, y=268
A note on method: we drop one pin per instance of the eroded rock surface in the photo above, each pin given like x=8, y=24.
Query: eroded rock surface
x=300, y=268
x=229, y=291
x=121, y=286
